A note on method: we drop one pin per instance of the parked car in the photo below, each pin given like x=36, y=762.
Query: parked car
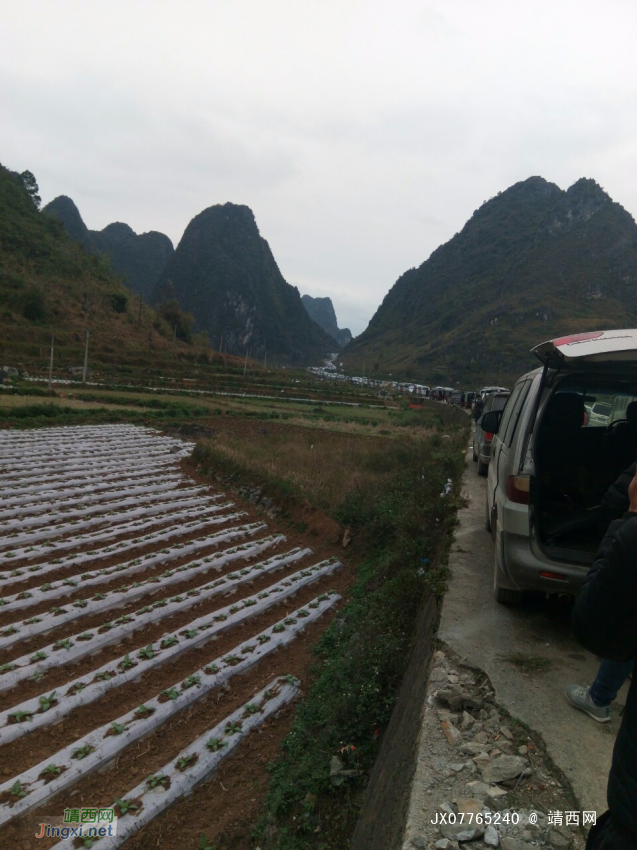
x=482, y=439
x=552, y=461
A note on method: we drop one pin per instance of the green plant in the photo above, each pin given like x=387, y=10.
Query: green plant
x=184, y=761
x=215, y=744
x=252, y=708
x=64, y=643
x=125, y=806
x=51, y=771
x=21, y=716
x=157, y=779
x=147, y=652
x=190, y=681
x=47, y=702
x=204, y=844
x=82, y=752
x=126, y=663
x=190, y=633
x=232, y=728
x=7, y=668
x=144, y=711
x=169, y=641
x=118, y=728
x=17, y=789
x=171, y=693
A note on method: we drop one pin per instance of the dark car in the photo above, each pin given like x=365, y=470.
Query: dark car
x=482, y=439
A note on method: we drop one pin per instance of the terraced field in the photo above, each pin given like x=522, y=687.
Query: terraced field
x=131, y=597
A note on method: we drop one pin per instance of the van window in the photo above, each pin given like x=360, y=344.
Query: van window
x=513, y=411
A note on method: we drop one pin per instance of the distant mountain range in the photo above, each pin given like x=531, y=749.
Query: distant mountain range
x=532, y=263
x=321, y=310
x=224, y=273
x=139, y=259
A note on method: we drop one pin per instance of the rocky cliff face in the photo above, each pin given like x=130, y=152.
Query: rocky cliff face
x=321, y=311
x=138, y=258
x=532, y=263
x=224, y=273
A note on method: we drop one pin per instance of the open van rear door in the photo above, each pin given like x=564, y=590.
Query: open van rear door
x=593, y=347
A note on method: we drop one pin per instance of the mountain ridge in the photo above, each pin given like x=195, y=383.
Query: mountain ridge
x=224, y=273
x=531, y=263
x=321, y=311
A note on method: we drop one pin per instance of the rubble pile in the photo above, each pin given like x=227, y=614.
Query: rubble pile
x=481, y=781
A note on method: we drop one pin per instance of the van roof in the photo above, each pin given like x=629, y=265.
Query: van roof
x=590, y=347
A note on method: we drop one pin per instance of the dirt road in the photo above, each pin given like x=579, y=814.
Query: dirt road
x=486, y=634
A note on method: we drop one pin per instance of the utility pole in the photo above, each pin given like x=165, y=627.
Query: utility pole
x=139, y=317
x=245, y=365
x=51, y=366
x=85, y=358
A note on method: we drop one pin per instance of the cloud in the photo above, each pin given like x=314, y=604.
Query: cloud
x=362, y=134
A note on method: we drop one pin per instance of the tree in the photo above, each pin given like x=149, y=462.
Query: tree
x=30, y=184
x=180, y=322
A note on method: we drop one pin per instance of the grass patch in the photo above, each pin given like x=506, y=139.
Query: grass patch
x=526, y=663
x=389, y=492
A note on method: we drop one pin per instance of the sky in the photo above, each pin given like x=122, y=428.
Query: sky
x=362, y=133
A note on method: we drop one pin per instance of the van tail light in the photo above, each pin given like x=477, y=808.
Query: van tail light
x=488, y=436
x=518, y=487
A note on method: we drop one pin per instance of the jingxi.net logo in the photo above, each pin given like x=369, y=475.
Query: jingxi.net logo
x=80, y=823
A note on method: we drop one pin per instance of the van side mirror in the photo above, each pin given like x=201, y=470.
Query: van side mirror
x=490, y=421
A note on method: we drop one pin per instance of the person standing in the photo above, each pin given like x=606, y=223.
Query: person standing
x=605, y=622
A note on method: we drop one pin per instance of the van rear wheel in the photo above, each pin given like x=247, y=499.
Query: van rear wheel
x=503, y=595
x=483, y=468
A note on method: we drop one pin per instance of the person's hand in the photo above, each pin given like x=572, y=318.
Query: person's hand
x=632, y=495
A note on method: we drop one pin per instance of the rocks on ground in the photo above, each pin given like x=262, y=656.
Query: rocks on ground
x=485, y=782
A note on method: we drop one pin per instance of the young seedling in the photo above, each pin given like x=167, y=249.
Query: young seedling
x=190, y=633
x=215, y=744
x=234, y=609
x=147, y=652
x=50, y=772
x=169, y=641
x=302, y=613
x=184, y=761
x=24, y=595
x=232, y=660
x=278, y=628
x=248, y=648
x=211, y=669
x=62, y=644
x=21, y=716
x=10, y=631
x=144, y=711
x=125, y=806
x=252, y=708
x=86, y=636
x=190, y=681
x=264, y=638
x=33, y=620
x=205, y=845
x=104, y=676
x=171, y=693
x=118, y=728
x=289, y=678
x=290, y=621
x=157, y=779
x=126, y=663
x=7, y=668
x=232, y=728
x=47, y=702
x=17, y=789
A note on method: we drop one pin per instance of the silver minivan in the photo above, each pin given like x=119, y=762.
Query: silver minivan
x=552, y=461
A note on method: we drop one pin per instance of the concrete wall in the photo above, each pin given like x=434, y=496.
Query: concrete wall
x=384, y=813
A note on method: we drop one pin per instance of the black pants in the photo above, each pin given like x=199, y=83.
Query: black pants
x=604, y=836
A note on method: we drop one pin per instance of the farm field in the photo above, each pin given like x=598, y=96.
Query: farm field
x=148, y=624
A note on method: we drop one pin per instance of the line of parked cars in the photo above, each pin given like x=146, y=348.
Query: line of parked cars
x=557, y=442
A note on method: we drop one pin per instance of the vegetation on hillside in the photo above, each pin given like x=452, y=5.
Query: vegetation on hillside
x=532, y=263
x=224, y=274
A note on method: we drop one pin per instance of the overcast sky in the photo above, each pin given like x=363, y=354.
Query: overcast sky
x=362, y=133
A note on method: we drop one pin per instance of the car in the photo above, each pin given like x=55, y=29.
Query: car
x=482, y=439
x=552, y=460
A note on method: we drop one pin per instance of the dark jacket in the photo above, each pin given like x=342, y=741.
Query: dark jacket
x=605, y=622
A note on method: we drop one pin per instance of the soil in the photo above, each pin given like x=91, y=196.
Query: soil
x=224, y=808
